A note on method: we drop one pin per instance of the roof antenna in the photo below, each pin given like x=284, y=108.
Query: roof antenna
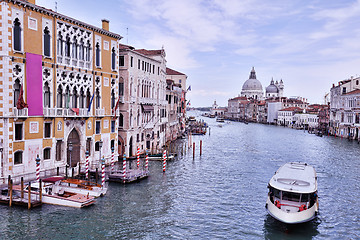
x=127, y=36
x=55, y=6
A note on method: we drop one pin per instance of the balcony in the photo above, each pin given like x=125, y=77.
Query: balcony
x=49, y=112
x=121, y=99
x=100, y=112
x=132, y=99
x=20, y=113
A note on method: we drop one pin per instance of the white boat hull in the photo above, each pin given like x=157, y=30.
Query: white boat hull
x=48, y=199
x=95, y=193
x=291, y=217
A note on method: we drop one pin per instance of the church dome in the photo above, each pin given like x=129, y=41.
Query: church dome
x=272, y=88
x=252, y=83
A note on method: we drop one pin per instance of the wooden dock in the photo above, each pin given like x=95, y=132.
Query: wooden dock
x=15, y=199
x=132, y=175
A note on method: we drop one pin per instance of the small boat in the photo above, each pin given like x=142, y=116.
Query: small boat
x=292, y=196
x=82, y=186
x=220, y=119
x=55, y=194
x=160, y=157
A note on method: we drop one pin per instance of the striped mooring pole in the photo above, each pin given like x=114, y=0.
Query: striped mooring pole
x=147, y=161
x=87, y=165
x=112, y=159
x=138, y=157
x=164, y=163
x=124, y=168
x=103, y=172
x=38, y=168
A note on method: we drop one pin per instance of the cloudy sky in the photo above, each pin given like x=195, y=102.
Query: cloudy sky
x=308, y=44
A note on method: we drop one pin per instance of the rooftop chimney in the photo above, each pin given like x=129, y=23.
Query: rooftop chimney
x=105, y=24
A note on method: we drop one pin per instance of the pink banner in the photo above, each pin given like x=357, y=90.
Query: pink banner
x=34, y=91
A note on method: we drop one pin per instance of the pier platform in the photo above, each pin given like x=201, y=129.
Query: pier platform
x=132, y=175
x=17, y=200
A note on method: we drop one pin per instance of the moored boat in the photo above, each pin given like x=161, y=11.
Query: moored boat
x=220, y=119
x=82, y=186
x=55, y=194
x=160, y=157
x=292, y=196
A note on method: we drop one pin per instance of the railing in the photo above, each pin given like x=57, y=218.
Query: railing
x=67, y=60
x=49, y=112
x=121, y=99
x=20, y=112
x=81, y=63
x=132, y=99
x=100, y=112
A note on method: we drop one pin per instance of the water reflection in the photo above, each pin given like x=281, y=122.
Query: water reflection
x=274, y=229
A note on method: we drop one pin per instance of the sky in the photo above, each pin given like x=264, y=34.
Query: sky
x=310, y=45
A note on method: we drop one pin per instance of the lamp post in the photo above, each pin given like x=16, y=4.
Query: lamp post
x=70, y=149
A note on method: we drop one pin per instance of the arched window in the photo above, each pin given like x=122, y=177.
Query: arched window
x=112, y=99
x=88, y=98
x=121, y=87
x=67, y=47
x=47, y=153
x=81, y=50
x=113, y=59
x=74, y=49
x=97, y=57
x=138, y=119
x=18, y=157
x=87, y=48
x=97, y=97
x=17, y=35
x=121, y=120
x=74, y=98
x=46, y=95
x=81, y=98
x=59, y=45
x=47, y=42
x=67, y=97
x=59, y=97
x=17, y=87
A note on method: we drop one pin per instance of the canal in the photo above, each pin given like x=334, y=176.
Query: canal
x=220, y=195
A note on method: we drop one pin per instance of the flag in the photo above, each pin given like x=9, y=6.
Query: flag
x=189, y=88
x=76, y=110
x=91, y=100
x=117, y=103
x=20, y=102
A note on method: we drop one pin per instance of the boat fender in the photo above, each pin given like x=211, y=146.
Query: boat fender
x=302, y=208
x=277, y=204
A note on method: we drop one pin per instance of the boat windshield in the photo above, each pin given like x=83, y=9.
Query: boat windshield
x=290, y=196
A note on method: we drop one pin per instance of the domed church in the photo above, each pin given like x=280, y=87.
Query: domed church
x=275, y=89
x=252, y=87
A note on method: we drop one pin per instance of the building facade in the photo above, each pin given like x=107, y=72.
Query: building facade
x=57, y=76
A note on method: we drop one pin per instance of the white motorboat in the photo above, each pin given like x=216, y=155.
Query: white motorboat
x=220, y=119
x=292, y=196
x=81, y=186
x=55, y=194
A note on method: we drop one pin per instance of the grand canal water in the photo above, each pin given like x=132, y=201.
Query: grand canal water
x=220, y=195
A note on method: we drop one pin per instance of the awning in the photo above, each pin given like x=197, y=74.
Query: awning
x=147, y=108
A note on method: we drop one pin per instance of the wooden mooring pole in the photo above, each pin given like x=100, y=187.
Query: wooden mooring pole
x=97, y=175
x=40, y=190
x=200, y=147
x=193, y=150
x=57, y=171
x=22, y=187
x=11, y=193
x=29, y=195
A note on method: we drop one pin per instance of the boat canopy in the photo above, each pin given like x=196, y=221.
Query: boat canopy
x=295, y=177
x=53, y=179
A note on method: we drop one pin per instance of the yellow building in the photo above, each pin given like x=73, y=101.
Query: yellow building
x=59, y=83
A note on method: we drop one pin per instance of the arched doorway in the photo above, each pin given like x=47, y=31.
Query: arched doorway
x=74, y=139
x=130, y=147
x=121, y=147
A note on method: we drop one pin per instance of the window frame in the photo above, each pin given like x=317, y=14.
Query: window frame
x=16, y=153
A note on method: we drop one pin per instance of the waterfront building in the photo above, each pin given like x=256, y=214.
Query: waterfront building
x=252, y=87
x=237, y=108
x=216, y=110
x=143, y=114
x=59, y=77
x=175, y=118
x=262, y=112
x=179, y=80
x=345, y=108
x=286, y=116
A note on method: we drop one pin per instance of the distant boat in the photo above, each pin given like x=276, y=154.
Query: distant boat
x=220, y=119
x=292, y=196
x=160, y=157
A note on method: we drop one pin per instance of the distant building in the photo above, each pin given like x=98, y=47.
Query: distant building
x=216, y=110
x=275, y=89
